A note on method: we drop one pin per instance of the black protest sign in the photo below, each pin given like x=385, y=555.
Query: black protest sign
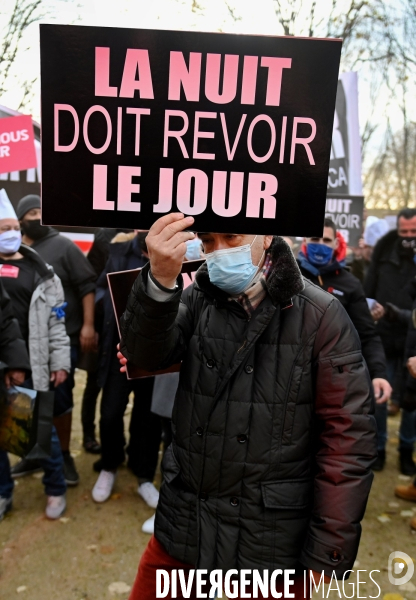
x=347, y=214
x=234, y=130
x=120, y=284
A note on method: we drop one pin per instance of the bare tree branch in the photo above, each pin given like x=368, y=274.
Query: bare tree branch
x=24, y=13
x=390, y=182
x=232, y=12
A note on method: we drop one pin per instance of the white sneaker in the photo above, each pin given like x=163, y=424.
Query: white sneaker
x=149, y=493
x=149, y=525
x=103, y=486
x=55, y=507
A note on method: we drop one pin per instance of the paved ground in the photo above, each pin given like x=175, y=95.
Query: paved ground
x=93, y=547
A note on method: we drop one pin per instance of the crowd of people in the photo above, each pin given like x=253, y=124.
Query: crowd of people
x=57, y=315
x=376, y=285
x=62, y=304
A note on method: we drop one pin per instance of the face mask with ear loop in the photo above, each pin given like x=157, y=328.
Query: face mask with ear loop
x=232, y=269
x=319, y=255
x=10, y=241
x=409, y=247
x=193, y=249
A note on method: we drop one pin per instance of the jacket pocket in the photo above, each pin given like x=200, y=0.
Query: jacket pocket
x=170, y=466
x=347, y=361
x=288, y=494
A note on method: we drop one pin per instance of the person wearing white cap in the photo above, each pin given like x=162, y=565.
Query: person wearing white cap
x=38, y=303
x=78, y=281
x=374, y=230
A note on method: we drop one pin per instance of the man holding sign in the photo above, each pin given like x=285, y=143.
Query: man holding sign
x=272, y=431
x=273, y=439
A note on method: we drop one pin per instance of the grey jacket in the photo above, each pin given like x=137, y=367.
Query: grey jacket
x=164, y=392
x=273, y=436
x=49, y=344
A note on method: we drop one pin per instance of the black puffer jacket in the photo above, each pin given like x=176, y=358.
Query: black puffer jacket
x=13, y=350
x=349, y=291
x=390, y=272
x=272, y=432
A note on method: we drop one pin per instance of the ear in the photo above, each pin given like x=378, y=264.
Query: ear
x=336, y=244
x=267, y=241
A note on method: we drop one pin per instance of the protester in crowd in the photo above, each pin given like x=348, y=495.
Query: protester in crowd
x=78, y=279
x=14, y=355
x=164, y=391
x=374, y=230
x=402, y=316
x=193, y=250
x=391, y=270
x=126, y=252
x=97, y=257
x=409, y=394
x=100, y=249
x=322, y=260
x=38, y=303
x=89, y=362
x=273, y=438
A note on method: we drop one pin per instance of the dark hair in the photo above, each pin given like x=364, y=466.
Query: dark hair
x=141, y=237
x=330, y=223
x=406, y=213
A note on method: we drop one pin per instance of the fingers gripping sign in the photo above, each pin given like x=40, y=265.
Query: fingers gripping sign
x=166, y=243
x=166, y=246
x=122, y=360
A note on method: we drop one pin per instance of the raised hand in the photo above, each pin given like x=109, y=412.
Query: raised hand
x=166, y=246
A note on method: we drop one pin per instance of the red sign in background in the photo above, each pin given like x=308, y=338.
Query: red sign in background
x=17, y=144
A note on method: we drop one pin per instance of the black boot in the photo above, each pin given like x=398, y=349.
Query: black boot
x=378, y=464
x=407, y=466
x=70, y=471
x=91, y=445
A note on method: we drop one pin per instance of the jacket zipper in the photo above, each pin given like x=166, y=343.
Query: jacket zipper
x=242, y=347
x=285, y=404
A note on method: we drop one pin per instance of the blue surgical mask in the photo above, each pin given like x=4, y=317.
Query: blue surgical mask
x=10, y=241
x=193, y=249
x=319, y=254
x=232, y=269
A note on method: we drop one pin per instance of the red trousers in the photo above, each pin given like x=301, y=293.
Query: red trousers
x=156, y=557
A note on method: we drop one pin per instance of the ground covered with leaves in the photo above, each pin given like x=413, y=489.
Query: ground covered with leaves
x=92, y=552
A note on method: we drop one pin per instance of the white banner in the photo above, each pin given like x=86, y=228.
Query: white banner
x=345, y=165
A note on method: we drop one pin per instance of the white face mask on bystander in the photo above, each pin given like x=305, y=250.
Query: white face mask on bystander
x=10, y=241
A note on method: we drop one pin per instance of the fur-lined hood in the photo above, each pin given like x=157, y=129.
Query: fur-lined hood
x=284, y=281
x=387, y=248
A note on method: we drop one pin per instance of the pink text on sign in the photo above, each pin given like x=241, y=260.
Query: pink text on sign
x=17, y=144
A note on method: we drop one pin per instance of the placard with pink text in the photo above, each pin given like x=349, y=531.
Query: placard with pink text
x=234, y=130
x=17, y=144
